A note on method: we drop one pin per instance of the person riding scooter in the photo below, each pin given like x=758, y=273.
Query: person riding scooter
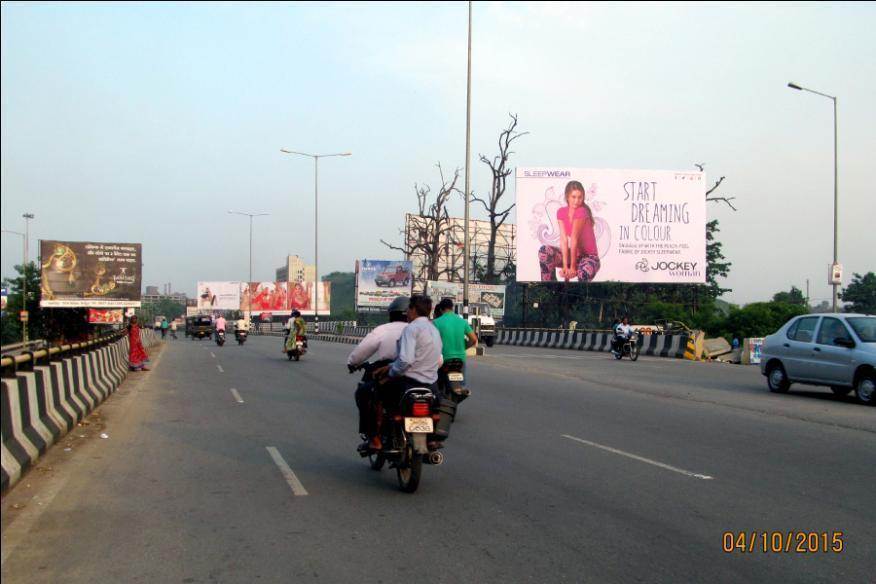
x=457, y=336
x=296, y=328
x=379, y=347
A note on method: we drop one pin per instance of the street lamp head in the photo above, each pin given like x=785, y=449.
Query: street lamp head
x=28, y=215
x=793, y=85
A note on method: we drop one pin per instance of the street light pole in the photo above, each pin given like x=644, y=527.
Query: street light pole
x=835, y=182
x=27, y=217
x=467, y=246
x=250, y=215
x=316, y=286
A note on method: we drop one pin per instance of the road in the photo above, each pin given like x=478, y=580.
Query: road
x=563, y=467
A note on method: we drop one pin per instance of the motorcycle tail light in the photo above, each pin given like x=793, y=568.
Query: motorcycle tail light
x=420, y=409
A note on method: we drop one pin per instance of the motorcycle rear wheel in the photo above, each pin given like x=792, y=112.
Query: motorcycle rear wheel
x=409, y=476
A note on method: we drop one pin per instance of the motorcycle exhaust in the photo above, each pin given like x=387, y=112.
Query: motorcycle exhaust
x=435, y=458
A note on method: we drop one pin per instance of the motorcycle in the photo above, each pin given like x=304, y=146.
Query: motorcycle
x=240, y=335
x=451, y=382
x=406, y=430
x=629, y=347
x=298, y=350
x=220, y=338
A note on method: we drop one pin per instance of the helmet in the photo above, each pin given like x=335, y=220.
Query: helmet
x=400, y=304
x=295, y=314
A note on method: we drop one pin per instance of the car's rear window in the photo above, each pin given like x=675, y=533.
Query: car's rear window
x=865, y=327
x=804, y=329
x=204, y=320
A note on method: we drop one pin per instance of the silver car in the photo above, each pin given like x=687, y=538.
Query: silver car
x=837, y=350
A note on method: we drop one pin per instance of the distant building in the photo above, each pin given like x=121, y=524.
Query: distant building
x=153, y=298
x=296, y=270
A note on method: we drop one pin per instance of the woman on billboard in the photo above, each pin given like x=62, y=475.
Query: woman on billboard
x=577, y=255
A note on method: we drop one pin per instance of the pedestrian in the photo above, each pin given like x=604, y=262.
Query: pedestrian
x=164, y=326
x=173, y=329
x=137, y=357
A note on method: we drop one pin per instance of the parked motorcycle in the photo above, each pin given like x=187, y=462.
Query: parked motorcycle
x=297, y=350
x=629, y=347
x=220, y=338
x=409, y=430
x=240, y=335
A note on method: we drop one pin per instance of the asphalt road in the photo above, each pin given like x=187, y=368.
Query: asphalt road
x=563, y=467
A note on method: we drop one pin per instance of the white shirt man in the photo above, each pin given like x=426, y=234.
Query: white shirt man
x=241, y=324
x=380, y=344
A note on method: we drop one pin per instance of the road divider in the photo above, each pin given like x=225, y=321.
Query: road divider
x=38, y=407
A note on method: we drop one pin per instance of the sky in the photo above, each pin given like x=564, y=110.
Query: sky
x=148, y=122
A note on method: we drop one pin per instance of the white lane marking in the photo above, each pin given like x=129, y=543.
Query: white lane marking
x=640, y=458
x=219, y=367
x=236, y=396
x=287, y=473
x=212, y=354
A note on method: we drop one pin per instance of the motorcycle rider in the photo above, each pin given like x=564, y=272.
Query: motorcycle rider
x=219, y=325
x=622, y=333
x=296, y=327
x=381, y=344
x=418, y=360
x=456, y=335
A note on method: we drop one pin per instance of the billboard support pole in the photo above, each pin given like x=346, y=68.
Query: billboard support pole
x=466, y=259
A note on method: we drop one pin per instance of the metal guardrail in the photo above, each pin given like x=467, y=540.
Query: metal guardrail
x=27, y=359
x=17, y=347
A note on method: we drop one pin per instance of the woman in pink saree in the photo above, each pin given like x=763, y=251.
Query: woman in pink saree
x=137, y=357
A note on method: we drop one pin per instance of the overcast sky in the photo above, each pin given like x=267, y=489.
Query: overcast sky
x=146, y=123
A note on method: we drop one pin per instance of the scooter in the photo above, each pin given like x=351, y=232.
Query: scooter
x=297, y=350
x=240, y=335
x=220, y=337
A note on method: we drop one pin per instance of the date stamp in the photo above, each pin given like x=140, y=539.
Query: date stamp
x=783, y=542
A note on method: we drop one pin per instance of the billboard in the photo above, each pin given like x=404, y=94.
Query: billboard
x=219, y=295
x=105, y=316
x=493, y=295
x=379, y=282
x=273, y=297
x=90, y=274
x=629, y=225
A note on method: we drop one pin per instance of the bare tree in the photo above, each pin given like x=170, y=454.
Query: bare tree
x=426, y=231
x=500, y=170
x=710, y=196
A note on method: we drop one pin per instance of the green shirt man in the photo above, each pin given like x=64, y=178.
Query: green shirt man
x=456, y=334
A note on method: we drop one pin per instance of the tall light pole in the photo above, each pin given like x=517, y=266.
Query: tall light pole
x=316, y=158
x=23, y=278
x=467, y=252
x=250, y=215
x=835, y=182
x=27, y=217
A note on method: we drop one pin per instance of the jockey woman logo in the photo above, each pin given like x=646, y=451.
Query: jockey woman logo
x=642, y=265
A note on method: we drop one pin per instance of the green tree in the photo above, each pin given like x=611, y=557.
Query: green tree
x=11, y=331
x=861, y=293
x=793, y=296
x=343, y=303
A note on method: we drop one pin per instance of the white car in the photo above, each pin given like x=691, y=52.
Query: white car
x=837, y=350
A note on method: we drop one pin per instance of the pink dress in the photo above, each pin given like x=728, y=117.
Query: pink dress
x=587, y=239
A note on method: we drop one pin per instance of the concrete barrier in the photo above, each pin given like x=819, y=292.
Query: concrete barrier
x=40, y=406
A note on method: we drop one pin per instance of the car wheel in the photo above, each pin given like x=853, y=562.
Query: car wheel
x=866, y=389
x=777, y=379
x=839, y=390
